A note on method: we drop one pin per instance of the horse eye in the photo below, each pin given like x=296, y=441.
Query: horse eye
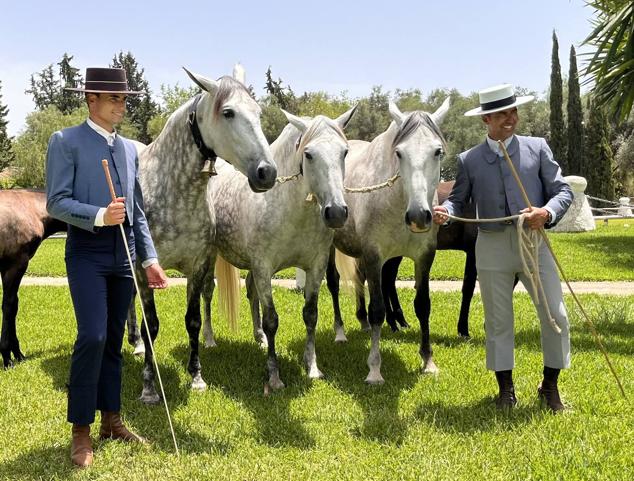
x=345, y=153
x=439, y=152
x=228, y=113
x=398, y=154
x=308, y=156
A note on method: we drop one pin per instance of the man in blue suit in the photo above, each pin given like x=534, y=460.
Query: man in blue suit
x=485, y=177
x=99, y=274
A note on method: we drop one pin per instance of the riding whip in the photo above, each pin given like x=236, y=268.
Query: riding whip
x=589, y=322
x=104, y=163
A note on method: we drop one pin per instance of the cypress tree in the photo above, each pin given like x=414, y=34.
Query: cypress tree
x=557, y=127
x=598, y=164
x=7, y=156
x=575, y=118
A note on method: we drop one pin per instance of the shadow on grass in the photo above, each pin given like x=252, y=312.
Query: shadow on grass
x=238, y=368
x=606, y=244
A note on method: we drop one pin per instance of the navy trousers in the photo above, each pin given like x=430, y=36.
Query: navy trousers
x=101, y=288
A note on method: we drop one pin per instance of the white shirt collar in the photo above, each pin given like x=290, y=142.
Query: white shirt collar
x=494, y=146
x=109, y=136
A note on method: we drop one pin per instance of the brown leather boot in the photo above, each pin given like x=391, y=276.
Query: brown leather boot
x=506, y=399
x=112, y=428
x=81, y=446
x=548, y=391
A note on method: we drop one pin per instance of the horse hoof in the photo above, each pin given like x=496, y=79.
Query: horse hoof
x=464, y=335
x=341, y=337
x=139, y=349
x=210, y=343
x=374, y=379
x=276, y=384
x=263, y=343
x=315, y=373
x=393, y=326
x=365, y=327
x=198, y=384
x=430, y=368
x=150, y=397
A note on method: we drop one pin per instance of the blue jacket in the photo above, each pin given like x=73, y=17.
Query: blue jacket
x=487, y=179
x=76, y=186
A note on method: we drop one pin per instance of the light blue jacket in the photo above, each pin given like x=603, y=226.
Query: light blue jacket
x=76, y=186
x=487, y=179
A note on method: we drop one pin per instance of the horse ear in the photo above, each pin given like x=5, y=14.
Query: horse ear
x=298, y=122
x=343, y=119
x=204, y=83
x=439, y=115
x=395, y=113
x=239, y=74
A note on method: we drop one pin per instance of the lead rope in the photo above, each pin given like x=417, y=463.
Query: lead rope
x=104, y=163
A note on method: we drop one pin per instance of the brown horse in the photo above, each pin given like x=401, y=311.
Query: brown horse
x=24, y=224
x=454, y=236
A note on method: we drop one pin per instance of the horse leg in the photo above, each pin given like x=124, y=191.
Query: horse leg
x=393, y=311
x=468, y=286
x=332, y=281
x=254, y=303
x=149, y=394
x=134, y=335
x=270, y=322
x=208, y=292
x=193, y=323
x=362, y=314
x=311, y=296
x=376, y=317
x=422, y=307
x=11, y=279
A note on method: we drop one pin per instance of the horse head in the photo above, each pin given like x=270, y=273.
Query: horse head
x=419, y=147
x=229, y=123
x=320, y=154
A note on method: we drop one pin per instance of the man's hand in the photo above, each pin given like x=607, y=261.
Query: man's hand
x=536, y=218
x=156, y=278
x=439, y=214
x=115, y=212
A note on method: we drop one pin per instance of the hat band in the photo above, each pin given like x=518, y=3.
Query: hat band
x=498, y=103
x=108, y=86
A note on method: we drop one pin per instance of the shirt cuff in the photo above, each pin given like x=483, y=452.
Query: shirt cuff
x=99, y=217
x=553, y=216
x=148, y=262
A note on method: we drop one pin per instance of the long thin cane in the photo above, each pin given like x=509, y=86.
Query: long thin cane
x=104, y=163
x=589, y=322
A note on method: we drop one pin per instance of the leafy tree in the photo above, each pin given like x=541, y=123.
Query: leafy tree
x=47, y=88
x=598, y=163
x=372, y=116
x=141, y=108
x=611, y=67
x=575, y=118
x=557, y=127
x=172, y=99
x=6, y=152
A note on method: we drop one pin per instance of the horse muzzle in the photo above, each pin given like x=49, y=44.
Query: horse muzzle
x=335, y=215
x=262, y=176
x=418, y=220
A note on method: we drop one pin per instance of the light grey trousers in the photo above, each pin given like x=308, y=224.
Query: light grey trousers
x=498, y=261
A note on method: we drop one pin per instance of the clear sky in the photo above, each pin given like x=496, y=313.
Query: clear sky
x=311, y=44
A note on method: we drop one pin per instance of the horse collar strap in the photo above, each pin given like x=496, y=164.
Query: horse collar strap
x=209, y=156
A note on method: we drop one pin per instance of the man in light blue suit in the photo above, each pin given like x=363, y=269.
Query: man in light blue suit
x=485, y=177
x=99, y=274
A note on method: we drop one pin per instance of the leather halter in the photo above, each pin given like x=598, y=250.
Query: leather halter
x=208, y=155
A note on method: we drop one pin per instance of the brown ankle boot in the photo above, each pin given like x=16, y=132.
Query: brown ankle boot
x=506, y=399
x=81, y=446
x=548, y=391
x=112, y=428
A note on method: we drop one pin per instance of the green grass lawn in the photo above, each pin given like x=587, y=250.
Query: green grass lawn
x=606, y=254
x=413, y=427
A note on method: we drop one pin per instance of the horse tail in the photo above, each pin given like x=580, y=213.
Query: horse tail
x=349, y=272
x=228, y=279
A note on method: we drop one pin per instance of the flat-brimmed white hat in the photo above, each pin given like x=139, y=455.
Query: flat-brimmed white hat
x=500, y=97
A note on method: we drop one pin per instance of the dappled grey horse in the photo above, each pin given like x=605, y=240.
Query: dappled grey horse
x=222, y=120
x=281, y=228
x=397, y=220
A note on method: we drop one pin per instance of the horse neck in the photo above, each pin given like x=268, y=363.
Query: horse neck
x=381, y=160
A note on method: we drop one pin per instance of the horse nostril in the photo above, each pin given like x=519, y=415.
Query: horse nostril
x=428, y=217
x=262, y=173
x=407, y=219
x=345, y=210
x=327, y=212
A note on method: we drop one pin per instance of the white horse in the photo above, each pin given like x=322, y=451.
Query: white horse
x=174, y=174
x=281, y=228
x=397, y=220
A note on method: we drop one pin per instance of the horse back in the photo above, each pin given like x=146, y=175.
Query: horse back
x=456, y=235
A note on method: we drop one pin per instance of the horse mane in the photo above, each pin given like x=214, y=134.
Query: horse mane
x=227, y=86
x=412, y=122
x=317, y=125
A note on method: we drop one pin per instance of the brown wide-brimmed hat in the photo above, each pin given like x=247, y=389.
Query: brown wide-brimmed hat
x=101, y=80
